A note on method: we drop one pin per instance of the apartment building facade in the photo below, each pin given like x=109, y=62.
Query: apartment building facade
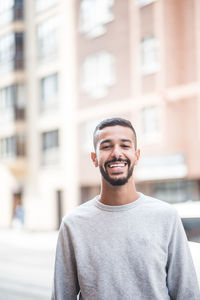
x=152, y=48
x=12, y=105
x=78, y=62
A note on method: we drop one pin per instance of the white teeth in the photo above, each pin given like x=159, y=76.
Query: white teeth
x=116, y=165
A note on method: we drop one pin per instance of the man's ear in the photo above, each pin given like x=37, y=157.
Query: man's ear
x=137, y=154
x=94, y=159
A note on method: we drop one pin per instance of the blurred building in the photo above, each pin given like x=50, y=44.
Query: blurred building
x=66, y=65
x=12, y=107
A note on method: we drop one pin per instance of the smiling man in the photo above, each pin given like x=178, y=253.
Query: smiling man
x=122, y=245
x=116, y=146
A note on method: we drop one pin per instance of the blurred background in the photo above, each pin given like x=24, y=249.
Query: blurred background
x=64, y=66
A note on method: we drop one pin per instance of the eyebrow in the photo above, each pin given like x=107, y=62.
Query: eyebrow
x=126, y=140
x=105, y=141
x=110, y=141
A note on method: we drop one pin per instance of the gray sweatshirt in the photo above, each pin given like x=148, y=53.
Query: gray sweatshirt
x=136, y=251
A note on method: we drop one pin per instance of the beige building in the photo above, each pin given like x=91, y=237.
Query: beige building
x=67, y=64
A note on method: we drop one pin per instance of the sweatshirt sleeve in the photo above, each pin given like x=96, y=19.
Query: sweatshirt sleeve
x=181, y=277
x=65, y=284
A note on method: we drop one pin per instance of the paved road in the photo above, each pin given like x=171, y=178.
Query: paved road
x=26, y=265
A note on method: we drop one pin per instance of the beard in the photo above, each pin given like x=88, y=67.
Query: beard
x=117, y=181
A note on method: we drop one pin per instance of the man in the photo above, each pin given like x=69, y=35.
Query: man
x=122, y=245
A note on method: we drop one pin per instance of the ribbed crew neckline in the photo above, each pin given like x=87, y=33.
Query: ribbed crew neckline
x=116, y=208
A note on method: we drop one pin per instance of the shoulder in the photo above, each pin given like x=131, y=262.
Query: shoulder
x=160, y=208
x=80, y=212
x=163, y=217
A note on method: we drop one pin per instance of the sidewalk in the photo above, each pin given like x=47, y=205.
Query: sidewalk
x=29, y=240
x=26, y=264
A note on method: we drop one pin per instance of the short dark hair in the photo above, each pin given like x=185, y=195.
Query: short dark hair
x=113, y=122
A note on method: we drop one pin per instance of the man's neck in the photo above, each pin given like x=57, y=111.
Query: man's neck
x=118, y=195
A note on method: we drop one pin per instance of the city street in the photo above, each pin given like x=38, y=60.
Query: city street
x=26, y=264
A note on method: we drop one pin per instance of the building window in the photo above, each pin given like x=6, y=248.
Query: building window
x=8, y=147
x=13, y=146
x=94, y=15
x=48, y=38
x=7, y=51
x=50, y=146
x=50, y=140
x=18, y=9
x=41, y=5
x=19, y=50
x=11, y=51
x=142, y=3
x=20, y=145
x=175, y=191
x=149, y=56
x=150, y=127
x=12, y=104
x=10, y=10
x=19, y=102
x=6, y=11
x=6, y=98
x=49, y=92
x=98, y=74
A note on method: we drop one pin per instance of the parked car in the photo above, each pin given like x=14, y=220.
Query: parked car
x=190, y=215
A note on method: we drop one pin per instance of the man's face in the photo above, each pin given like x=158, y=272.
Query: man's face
x=115, y=154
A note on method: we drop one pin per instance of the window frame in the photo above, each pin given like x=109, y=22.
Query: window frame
x=47, y=102
x=46, y=136
x=149, y=55
x=142, y=3
x=97, y=77
x=47, y=38
x=94, y=15
x=150, y=133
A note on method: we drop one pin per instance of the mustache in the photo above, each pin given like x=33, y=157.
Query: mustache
x=117, y=160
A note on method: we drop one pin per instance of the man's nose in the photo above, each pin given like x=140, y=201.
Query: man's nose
x=116, y=153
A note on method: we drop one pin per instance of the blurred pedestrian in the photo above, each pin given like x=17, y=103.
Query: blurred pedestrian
x=122, y=245
x=18, y=216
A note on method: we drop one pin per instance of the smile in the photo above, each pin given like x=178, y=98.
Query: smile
x=117, y=165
